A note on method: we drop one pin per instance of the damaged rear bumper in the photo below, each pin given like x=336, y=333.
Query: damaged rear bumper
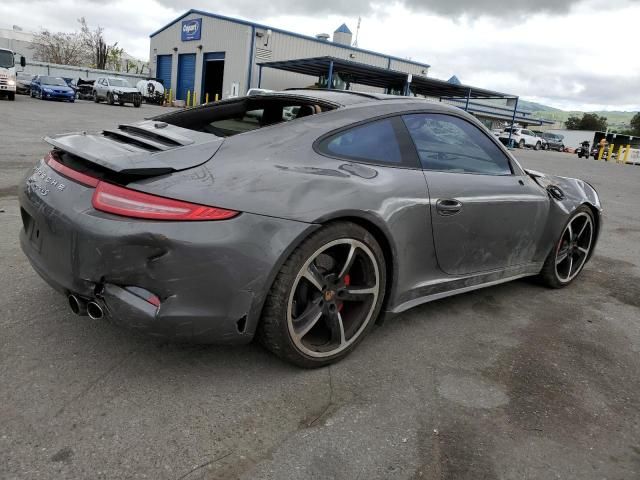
x=211, y=277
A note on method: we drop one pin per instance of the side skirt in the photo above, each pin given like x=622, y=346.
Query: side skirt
x=449, y=288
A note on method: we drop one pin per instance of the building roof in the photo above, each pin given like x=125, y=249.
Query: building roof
x=454, y=80
x=364, y=74
x=343, y=29
x=293, y=34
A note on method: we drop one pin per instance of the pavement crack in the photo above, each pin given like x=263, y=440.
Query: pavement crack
x=329, y=404
x=206, y=464
x=92, y=384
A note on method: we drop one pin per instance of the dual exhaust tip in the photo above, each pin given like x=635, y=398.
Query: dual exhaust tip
x=82, y=307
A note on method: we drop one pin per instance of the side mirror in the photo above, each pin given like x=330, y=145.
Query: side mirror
x=23, y=62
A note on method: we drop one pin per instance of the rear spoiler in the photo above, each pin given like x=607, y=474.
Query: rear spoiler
x=140, y=149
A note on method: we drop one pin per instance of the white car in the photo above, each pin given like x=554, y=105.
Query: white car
x=520, y=137
x=116, y=90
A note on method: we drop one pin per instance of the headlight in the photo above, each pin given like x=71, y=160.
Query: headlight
x=11, y=83
x=48, y=90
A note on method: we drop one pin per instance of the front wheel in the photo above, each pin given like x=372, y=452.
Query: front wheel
x=12, y=96
x=537, y=146
x=95, y=97
x=521, y=144
x=110, y=99
x=568, y=257
x=326, y=297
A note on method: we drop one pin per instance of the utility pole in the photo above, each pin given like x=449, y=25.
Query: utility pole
x=355, y=42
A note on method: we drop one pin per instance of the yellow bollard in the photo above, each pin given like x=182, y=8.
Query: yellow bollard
x=611, y=148
x=206, y=98
x=188, y=98
x=195, y=102
x=619, y=157
x=626, y=154
x=600, y=153
x=216, y=97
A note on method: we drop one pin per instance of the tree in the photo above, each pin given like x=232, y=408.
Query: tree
x=99, y=52
x=635, y=124
x=572, y=123
x=589, y=121
x=60, y=47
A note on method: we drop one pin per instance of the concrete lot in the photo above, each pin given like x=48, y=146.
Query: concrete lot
x=510, y=382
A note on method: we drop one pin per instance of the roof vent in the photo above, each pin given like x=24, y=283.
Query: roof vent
x=323, y=36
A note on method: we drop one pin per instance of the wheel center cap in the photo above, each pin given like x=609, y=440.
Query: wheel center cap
x=329, y=295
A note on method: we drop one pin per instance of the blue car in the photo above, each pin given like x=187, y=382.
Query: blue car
x=51, y=88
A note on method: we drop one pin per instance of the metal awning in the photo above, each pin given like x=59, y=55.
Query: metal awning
x=410, y=84
x=364, y=74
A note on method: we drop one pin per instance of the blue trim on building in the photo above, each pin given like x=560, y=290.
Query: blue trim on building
x=293, y=34
x=343, y=29
x=253, y=42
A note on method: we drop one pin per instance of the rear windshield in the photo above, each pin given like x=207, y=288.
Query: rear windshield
x=512, y=130
x=231, y=117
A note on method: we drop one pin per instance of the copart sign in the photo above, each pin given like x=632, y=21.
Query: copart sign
x=191, y=29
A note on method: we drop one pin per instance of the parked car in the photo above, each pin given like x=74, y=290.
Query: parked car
x=521, y=137
x=84, y=89
x=23, y=83
x=116, y=90
x=196, y=224
x=555, y=141
x=51, y=88
x=540, y=135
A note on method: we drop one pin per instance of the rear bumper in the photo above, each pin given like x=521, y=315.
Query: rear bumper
x=211, y=277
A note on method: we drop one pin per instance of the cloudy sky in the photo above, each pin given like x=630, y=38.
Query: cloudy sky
x=571, y=54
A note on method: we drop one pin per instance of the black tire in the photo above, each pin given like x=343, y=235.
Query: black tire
x=549, y=275
x=537, y=146
x=110, y=99
x=274, y=332
x=521, y=144
x=95, y=97
x=137, y=103
x=12, y=96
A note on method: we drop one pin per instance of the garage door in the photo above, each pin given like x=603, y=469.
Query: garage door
x=186, y=75
x=163, y=70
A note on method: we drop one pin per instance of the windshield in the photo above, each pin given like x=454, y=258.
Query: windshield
x=53, y=81
x=118, y=82
x=6, y=59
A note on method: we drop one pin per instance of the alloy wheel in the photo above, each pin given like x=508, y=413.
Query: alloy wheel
x=574, y=247
x=333, y=298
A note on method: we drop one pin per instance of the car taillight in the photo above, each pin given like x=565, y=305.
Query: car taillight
x=79, y=177
x=131, y=203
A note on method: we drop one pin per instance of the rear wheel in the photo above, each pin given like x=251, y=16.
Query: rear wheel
x=521, y=144
x=326, y=297
x=568, y=257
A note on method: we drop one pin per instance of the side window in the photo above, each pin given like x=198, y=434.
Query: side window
x=450, y=144
x=375, y=142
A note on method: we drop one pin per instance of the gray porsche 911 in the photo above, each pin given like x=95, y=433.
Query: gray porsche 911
x=297, y=217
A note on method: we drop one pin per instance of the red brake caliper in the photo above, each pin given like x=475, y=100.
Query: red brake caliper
x=347, y=281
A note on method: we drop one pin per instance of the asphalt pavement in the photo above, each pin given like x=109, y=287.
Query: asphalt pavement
x=510, y=382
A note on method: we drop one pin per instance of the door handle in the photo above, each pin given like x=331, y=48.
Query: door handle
x=448, y=206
